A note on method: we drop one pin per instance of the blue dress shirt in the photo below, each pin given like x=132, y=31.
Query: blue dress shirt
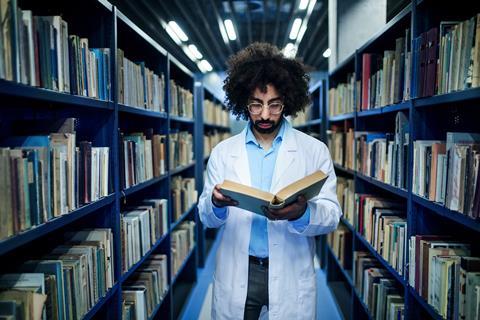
x=262, y=165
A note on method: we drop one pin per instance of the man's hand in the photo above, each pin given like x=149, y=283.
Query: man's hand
x=291, y=212
x=220, y=200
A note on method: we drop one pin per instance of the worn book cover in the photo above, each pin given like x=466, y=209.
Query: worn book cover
x=253, y=199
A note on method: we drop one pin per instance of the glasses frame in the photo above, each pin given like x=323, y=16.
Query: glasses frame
x=268, y=107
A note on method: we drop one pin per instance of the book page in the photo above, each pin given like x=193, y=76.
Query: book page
x=309, y=187
x=248, y=198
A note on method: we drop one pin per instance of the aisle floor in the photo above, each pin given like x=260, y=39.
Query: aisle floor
x=200, y=302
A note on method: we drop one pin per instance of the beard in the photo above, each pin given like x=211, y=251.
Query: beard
x=273, y=126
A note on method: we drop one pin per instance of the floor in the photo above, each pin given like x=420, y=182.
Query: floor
x=200, y=302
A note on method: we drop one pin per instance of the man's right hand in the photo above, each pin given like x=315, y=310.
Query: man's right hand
x=219, y=200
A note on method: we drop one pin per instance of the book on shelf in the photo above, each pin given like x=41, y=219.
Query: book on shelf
x=184, y=195
x=341, y=98
x=212, y=138
x=304, y=116
x=346, y=197
x=341, y=145
x=340, y=241
x=181, y=148
x=253, y=199
x=183, y=242
x=215, y=113
x=181, y=101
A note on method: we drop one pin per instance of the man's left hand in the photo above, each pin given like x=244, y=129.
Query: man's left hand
x=291, y=212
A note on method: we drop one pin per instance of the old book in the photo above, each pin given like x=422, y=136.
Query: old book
x=253, y=199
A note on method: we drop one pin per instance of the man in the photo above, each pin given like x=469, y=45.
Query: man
x=267, y=260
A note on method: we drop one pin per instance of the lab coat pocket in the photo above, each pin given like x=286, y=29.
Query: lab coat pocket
x=307, y=298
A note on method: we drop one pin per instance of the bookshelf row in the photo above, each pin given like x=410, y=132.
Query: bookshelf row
x=114, y=161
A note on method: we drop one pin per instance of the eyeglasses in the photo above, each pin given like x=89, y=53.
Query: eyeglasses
x=256, y=108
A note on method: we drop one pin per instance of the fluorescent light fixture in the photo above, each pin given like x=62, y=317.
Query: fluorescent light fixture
x=189, y=53
x=295, y=28
x=221, y=26
x=303, y=5
x=173, y=35
x=290, y=50
x=311, y=5
x=204, y=66
x=301, y=33
x=327, y=53
x=194, y=50
x=178, y=31
x=230, y=30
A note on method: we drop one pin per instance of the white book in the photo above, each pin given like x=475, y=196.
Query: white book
x=65, y=54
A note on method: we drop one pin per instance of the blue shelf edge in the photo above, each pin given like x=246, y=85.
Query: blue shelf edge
x=141, y=111
x=344, y=272
x=216, y=126
x=347, y=223
x=142, y=185
x=182, y=119
x=342, y=65
x=384, y=262
x=447, y=213
x=401, y=106
x=29, y=235
x=343, y=169
x=341, y=117
x=457, y=96
x=92, y=312
x=309, y=123
x=154, y=312
x=25, y=91
x=142, y=260
x=184, y=263
x=383, y=185
x=424, y=304
x=181, y=168
x=182, y=217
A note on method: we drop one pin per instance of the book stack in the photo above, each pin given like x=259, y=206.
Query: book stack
x=340, y=98
x=184, y=195
x=183, y=242
x=214, y=113
x=384, y=156
x=340, y=241
x=65, y=283
x=46, y=176
x=386, y=78
x=376, y=288
x=141, y=227
x=443, y=272
x=448, y=57
x=145, y=289
x=346, y=197
x=142, y=157
x=211, y=139
x=181, y=148
x=303, y=117
x=383, y=224
x=447, y=172
x=138, y=86
x=181, y=101
x=340, y=144
x=39, y=51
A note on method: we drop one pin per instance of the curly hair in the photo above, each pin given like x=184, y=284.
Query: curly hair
x=261, y=64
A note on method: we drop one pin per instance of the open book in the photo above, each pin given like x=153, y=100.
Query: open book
x=253, y=199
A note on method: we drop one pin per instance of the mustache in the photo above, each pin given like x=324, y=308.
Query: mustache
x=264, y=122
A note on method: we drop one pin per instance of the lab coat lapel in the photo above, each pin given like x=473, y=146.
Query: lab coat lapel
x=286, y=157
x=239, y=159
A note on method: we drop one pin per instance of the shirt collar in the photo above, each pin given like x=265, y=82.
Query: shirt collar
x=250, y=138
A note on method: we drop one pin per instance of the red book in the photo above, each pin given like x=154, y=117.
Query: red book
x=366, y=71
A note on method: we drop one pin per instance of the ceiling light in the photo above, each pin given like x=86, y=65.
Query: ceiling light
x=178, y=31
x=189, y=53
x=311, y=5
x=290, y=50
x=303, y=5
x=204, y=66
x=327, y=53
x=295, y=28
x=301, y=32
x=230, y=29
x=194, y=50
x=172, y=34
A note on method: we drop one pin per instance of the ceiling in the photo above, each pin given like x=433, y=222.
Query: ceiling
x=254, y=20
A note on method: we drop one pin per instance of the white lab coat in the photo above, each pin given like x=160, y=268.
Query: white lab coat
x=291, y=279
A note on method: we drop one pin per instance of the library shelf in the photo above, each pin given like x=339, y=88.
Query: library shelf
x=36, y=232
x=142, y=112
x=402, y=106
x=143, y=185
x=184, y=263
x=452, y=97
x=362, y=303
x=343, y=169
x=347, y=224
x=384, y=262
x=182, y=217
x=443, y=211
x=343, y=65
x=182, y=119
x=346, y=273
x=341, y=296
x=308, y=124
x=395, y=190
x=216, y=126
x=137, y=264
x=341, y=117
x=10, y=88
x=431, y=312
x=181, y=168
x=157, y=307
x=101, y=302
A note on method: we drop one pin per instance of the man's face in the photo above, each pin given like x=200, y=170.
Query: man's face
x=266, y=121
